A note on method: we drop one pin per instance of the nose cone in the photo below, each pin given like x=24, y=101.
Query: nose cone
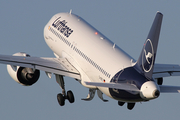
x=149, y=90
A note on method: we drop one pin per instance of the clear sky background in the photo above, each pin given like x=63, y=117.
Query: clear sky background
x=125, y=22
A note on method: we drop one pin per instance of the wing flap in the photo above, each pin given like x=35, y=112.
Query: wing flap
x=54, y=65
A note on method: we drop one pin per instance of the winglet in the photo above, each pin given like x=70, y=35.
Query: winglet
x=147, y=57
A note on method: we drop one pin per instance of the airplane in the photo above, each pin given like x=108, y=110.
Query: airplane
x=85, y=54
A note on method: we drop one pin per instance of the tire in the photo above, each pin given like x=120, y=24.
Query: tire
x=70, y=96
x=130, y=106
x=61, y=99
x=120, y=103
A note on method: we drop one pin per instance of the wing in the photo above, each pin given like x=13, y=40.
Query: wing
x=166, y=70
x=52, y=65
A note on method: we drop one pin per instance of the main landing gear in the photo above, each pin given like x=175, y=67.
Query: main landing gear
x=130, y=106
x=61, y=97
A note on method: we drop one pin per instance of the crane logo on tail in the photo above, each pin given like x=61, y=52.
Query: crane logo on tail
x=148, y=56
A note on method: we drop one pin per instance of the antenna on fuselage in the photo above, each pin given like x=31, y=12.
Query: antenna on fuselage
x=114, y=45
x=70, y=11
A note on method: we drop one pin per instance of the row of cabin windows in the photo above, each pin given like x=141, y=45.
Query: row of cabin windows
x=91, y=62
x=80, y=53
x=59, y=36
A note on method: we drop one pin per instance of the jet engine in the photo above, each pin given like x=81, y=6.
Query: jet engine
x=22, y=75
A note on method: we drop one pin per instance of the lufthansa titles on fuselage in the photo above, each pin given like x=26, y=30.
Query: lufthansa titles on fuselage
x=61, y=26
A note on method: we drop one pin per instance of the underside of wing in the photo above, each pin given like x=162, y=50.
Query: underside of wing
x=166, y=70
x=52, y=65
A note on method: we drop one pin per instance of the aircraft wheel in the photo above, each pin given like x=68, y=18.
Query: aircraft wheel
x=130, y=106
x=61, y=99
x=120, y=103
x=70, y=96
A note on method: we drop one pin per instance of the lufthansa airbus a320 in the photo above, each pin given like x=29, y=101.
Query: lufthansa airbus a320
x=83, y=53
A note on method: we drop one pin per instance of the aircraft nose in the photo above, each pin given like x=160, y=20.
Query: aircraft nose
x=149, y=90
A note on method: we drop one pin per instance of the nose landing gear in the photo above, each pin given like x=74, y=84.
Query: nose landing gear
x=130, y=106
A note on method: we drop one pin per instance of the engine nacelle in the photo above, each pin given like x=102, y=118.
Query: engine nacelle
x=22, y=75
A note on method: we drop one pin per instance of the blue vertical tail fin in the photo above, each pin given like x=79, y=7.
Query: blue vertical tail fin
x=147, y=57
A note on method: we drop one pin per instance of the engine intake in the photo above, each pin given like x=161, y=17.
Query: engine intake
x=23, y=75
x=27, y=76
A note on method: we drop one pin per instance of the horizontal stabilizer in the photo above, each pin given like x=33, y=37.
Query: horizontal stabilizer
x=169, y=89
x=166, y=70
x=122, y=86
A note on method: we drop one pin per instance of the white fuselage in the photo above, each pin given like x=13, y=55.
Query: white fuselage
x=98, y=58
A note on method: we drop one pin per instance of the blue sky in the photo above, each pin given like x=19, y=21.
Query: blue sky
x=125, y=22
